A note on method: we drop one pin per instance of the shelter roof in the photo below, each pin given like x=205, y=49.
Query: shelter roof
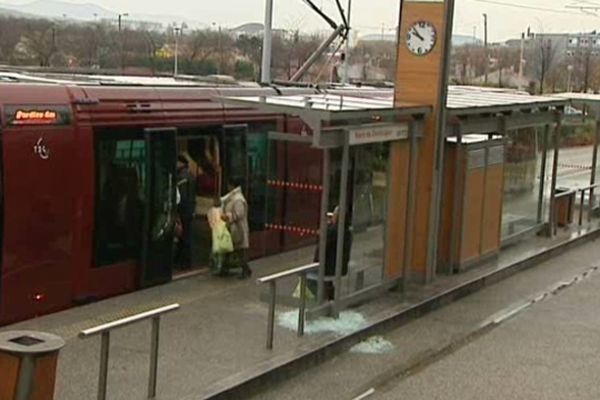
x=587, y=97
x=330, y=106
x=590, y=102
x=464, y=100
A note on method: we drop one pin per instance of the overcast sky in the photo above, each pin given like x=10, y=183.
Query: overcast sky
x=369, y=16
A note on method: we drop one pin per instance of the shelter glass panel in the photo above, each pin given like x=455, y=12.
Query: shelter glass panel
x=522, y=181
x=364, y=237
x=575, y=162
x=369, y=211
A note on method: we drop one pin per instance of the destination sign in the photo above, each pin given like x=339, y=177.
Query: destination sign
x=19, y=115
x=378, y=133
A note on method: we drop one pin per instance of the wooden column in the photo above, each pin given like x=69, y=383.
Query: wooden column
x=419, y=79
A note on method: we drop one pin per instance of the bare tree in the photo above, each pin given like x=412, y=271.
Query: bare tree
x=251, y=48
x=544, y=61
x=10, y=36
x=40, y=40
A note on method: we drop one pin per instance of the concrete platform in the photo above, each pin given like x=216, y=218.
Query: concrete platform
x=214, y=346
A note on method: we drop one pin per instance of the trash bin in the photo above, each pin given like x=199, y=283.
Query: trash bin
x=28, y=363
x=564, y=206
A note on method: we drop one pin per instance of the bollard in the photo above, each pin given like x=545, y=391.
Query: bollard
x=28, y=363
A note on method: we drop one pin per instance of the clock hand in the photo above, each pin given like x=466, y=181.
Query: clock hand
x=417, y=34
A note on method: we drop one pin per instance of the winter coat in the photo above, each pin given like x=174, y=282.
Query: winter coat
x=331, y=246
x=235, y=208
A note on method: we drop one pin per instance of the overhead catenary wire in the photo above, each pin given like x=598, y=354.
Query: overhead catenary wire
x=526, y=7
x=343, y=14
x=339, y=31
x=321, y=13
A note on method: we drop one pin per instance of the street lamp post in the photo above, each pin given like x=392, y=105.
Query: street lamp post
x=121, y=45
x=570, y=70
x=521, y=60
x=219, y=47
x=178, y=32
x=485, y=45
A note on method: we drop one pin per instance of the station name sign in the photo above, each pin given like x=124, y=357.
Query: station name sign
x=36, y=115
x=378, y=133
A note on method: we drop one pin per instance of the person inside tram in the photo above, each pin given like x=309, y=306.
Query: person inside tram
x=206, y=177
x=206, y=184
x=235, y=214
x=131, y=210
x=186, y=185
x=121, y=208
x=331, y=255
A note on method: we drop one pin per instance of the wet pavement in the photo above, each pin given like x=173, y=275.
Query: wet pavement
x=218, y=335
x=542, y=350
x=545, y=352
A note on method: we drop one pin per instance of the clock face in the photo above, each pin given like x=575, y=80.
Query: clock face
x=421, y=38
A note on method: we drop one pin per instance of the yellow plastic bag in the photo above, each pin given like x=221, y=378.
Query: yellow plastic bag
x=309, y=295
x=221, y=240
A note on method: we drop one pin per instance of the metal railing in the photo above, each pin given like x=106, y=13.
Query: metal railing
x=105, y=330
x=272, y=281
x=574, y=192
x=583, y=191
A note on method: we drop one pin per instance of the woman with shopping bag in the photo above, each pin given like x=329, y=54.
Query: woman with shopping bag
x=235, y=214
x=222, y=245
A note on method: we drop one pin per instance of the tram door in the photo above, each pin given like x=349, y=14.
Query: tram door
x=159, y=214
x=234, y=157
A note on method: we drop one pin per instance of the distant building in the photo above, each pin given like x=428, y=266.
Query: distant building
x=566, y=46
x=253, y=29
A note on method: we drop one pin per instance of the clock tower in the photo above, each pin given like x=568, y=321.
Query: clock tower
x=421, y=78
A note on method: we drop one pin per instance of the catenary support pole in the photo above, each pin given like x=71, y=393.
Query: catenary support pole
x=345, y=76
x=267, y=43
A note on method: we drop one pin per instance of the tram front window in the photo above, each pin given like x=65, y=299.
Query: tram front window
x=121, y=183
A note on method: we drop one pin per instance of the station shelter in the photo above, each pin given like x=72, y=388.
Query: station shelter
x=377, y=212
x=354, y=137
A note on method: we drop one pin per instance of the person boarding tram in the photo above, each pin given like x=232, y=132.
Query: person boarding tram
x=235, y=214
x=186, y=186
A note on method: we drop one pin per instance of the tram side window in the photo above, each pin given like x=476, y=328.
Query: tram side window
x=121, y=184
x=261, y=166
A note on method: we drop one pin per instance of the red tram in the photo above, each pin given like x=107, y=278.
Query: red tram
x=87, y=185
